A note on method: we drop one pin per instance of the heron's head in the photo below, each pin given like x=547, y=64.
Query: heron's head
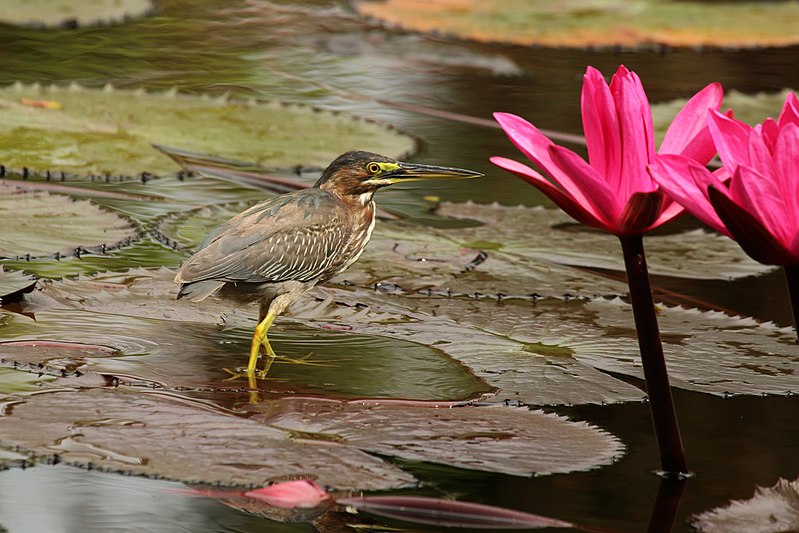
x=360, y=174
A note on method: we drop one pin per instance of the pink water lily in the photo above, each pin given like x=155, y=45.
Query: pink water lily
x=613, y=191
x=755, y=198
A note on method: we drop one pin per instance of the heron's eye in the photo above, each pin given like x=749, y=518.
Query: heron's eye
x=373, y=168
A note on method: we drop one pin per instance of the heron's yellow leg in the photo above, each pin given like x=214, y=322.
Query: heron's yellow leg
x=259, y=338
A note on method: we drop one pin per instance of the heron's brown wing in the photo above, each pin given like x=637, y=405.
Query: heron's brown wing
x=290, y=237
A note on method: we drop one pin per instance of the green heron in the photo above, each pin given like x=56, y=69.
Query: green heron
x=278, y=249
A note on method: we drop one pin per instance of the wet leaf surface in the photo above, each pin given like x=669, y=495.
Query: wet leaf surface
x=154, y=434
x=770, y=510
x=172, y=436
x=510, y=440
x=430, y=347
x=65, y=13
x=539, y=233
x=111, y=131
x=581, y=23
x=142, y=332
x=13, y=285
x=38, y=223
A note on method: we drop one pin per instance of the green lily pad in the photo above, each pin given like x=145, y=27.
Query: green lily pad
x=111, y=131
x=63, y=12
x=13, y=285
x=142, y=432
x=545, y=352
x=40, y=224
x=130, y=324
x=592, y=23
x=540, y=233
x=496, y=438
x=770, y=510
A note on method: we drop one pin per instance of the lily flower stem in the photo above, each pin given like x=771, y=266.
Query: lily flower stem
x=792, y=277
x=661, y=404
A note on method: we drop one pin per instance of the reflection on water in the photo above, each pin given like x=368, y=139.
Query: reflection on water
x=64, y=499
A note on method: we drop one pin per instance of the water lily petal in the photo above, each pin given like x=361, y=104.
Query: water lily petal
x=750, y=234
x=688, y=133
x=686, y=182
x=601, y=126
x=671, y=211
x=786, y=175
x=640, y=213
x=560, y=198
x=606, y=202
x=535, y=145
x=760, y=196
x=731, y=138
x=760, y=154
x=299, y=494
x=637, y=137
x=790, y=111
x=769, y=131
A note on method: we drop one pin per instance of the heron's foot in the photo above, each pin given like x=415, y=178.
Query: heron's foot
x=241, y=373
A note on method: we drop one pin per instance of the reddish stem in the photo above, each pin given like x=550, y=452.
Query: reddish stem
x=661, y=404
x=792, y=277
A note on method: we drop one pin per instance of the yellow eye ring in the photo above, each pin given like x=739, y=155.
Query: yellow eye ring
x=373, y=168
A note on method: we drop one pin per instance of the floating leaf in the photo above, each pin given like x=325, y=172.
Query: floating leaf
x=294, y=438
x=13, y=285
x=770, y=510
x=65, y=13
x=172, y=437
x=450, y=513
x=135, y=318
x=111, y=131
x=539, y=233
x=39, y=223
x=544, y=352
x=591, y=23
x=502, y=439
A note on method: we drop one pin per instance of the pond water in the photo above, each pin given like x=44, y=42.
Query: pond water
x=319, y=53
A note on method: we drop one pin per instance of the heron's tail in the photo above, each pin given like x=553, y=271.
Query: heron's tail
x=199, y=290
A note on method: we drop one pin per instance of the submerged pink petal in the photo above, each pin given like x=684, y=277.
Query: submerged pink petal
x=560, y=198
x=760, y=196
x=731, y=138
x=300, y=494
x=688, y=133
x=600, y=126
x=687, y=182
x=790, y=111
x=637, y=137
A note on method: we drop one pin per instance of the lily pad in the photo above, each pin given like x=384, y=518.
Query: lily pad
x=13, y=285
x=596, y=23
x=540, y=233
x=38, y=223
x=128, y=429
x=548, y=351
x=129, y=324
x=111, y=131
x=509, y=440
x=65, y=13
x=158, y=435
x=770, y=510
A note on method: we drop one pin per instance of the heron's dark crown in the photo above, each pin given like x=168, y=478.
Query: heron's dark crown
x=347, y=174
